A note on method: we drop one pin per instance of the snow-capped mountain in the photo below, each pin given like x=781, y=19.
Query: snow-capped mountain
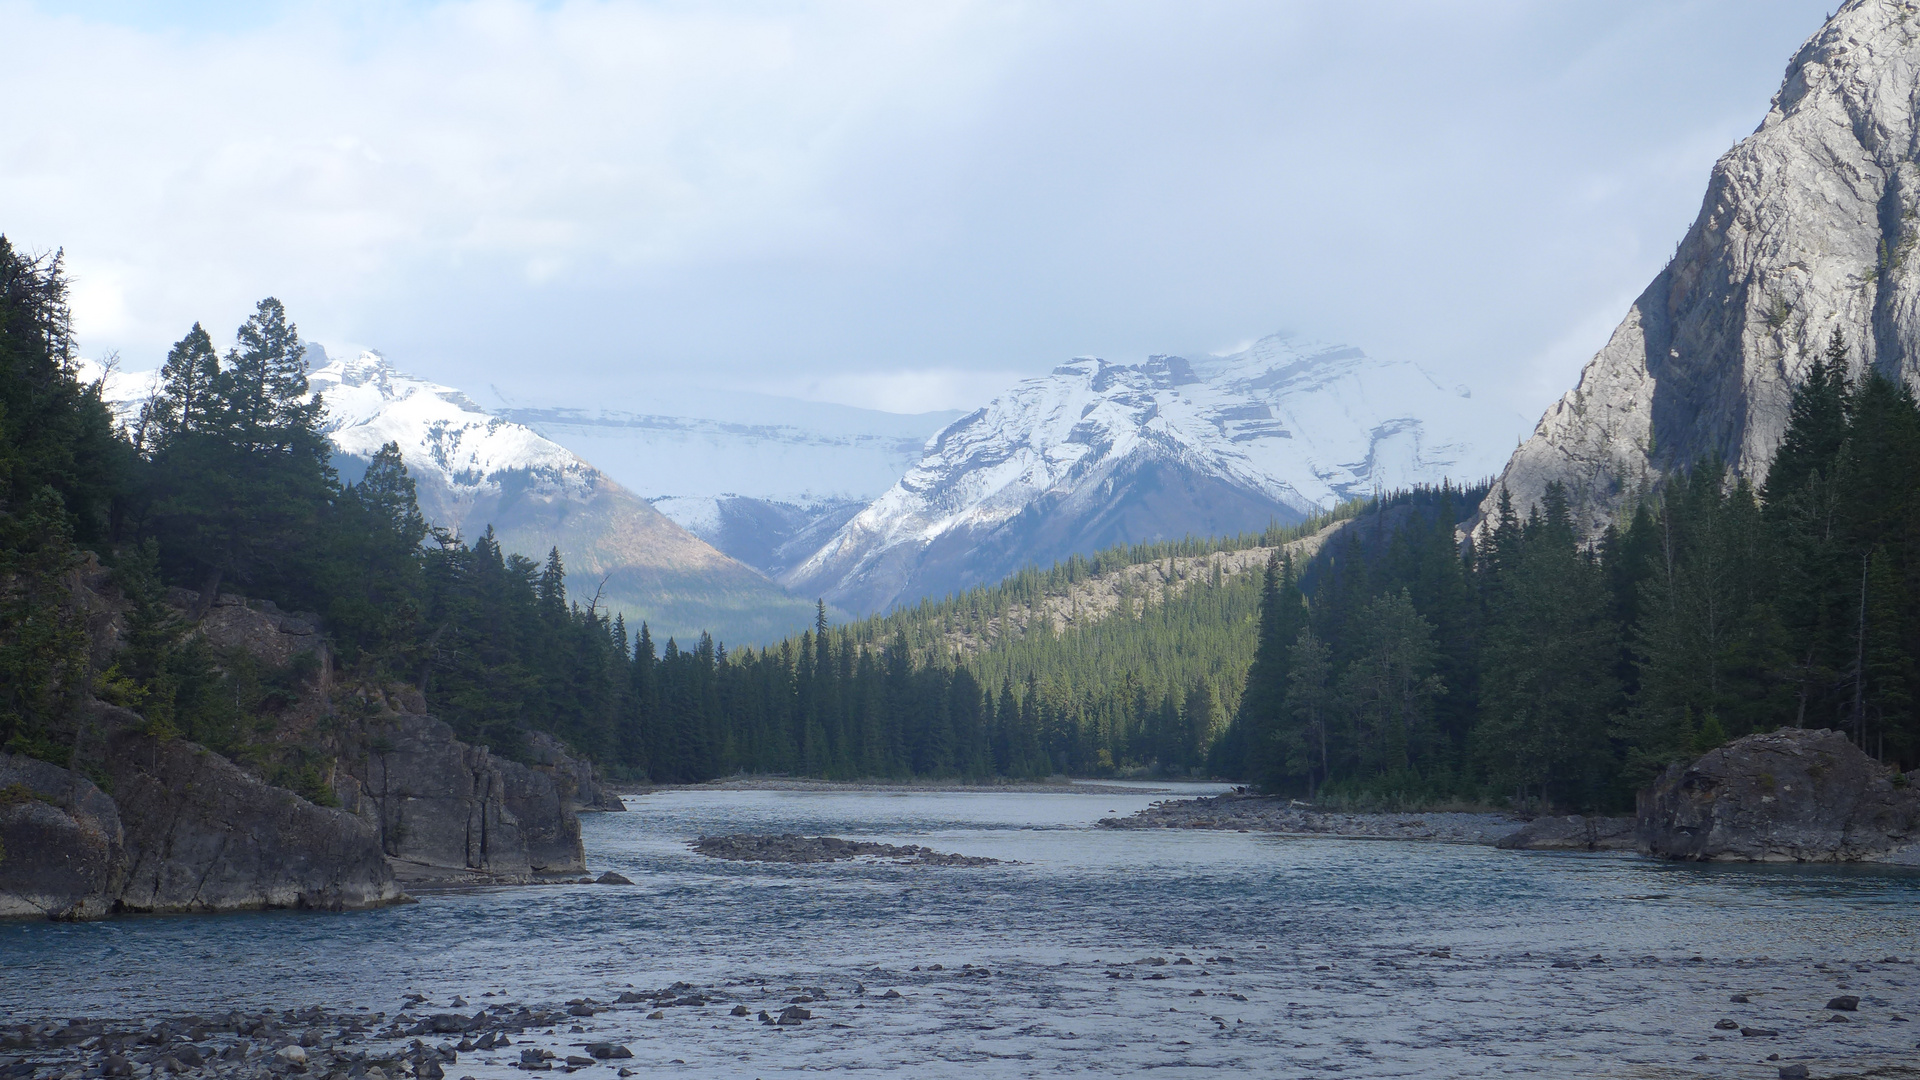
x=473, y=469
x=1099, y=453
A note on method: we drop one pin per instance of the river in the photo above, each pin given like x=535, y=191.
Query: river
x=1307, y=957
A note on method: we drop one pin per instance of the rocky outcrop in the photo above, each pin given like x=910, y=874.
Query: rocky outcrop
x=573, y=772
x=204, y=835
x=62, y=853
x=1808, y=226
x=447, y=811
x=1572, y=833
x=1792, y=796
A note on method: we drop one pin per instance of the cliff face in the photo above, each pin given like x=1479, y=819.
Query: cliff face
x=62, y=851
x=448, y=812
x=1808, y=226
x=203, y=835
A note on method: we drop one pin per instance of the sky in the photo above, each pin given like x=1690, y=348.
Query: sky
x=902, y=206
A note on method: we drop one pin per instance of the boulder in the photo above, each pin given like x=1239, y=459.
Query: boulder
x=62, y=850
x=1574, y=833
x=442, y=805
x=1795, y=795
x=201, y=834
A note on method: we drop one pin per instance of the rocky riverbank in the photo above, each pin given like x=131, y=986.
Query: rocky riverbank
x=793, y=848
x=137, y=820
x=1256, y=813
x=1792, y=795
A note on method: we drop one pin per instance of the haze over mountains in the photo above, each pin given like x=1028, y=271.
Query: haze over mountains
x=764, y=479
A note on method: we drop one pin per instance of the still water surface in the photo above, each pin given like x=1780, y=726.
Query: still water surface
x=1330, y=943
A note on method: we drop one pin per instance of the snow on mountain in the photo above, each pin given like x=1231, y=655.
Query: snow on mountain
x=473, y=469
x=1100, y=453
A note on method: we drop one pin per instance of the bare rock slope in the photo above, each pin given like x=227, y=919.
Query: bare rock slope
x=1808, y=226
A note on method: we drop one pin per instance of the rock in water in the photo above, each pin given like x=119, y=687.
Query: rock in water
x=575, y=773
x=1792, y=796
x=611, y=878
x=203, y=835
x=1791, y=243
x=793, y=848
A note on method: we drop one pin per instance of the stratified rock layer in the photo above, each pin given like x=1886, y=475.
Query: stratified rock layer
x=1808, y=226
x=1792, y=796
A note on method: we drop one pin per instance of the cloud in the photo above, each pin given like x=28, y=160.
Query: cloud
x=928, y=390
x=899, y=203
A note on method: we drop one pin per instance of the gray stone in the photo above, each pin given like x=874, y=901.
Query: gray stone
x=441, y=804
x=62, y=850
x=1844, y=1003
x=574, y=772
x=1791, y=796
x=204, y=835
x=1788, y=246
x=611, y=878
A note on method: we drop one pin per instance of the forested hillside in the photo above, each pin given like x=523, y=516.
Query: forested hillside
x=1377, y=660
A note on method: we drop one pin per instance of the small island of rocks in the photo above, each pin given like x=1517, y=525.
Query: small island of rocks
x=794, y=848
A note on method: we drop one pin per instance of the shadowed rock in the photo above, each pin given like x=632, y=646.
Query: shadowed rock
x=1791, y=796
x=62, y=852
x=449, y=811
x=203, y=835
x=1573, y=833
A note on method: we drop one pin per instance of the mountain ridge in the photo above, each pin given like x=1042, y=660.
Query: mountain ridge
x=1097, y=453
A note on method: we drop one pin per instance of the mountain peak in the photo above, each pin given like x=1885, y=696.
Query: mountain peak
x=1806, y=230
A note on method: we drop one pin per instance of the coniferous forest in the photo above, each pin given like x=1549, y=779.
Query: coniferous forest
x=1395, y=665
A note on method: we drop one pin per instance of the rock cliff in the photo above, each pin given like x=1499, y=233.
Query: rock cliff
x=204, y=835
x=449, y=812
x=181, y=828
x=1808, y=227
x=1791, y=796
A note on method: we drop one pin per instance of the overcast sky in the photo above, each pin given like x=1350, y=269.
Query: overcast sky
x=897, y=205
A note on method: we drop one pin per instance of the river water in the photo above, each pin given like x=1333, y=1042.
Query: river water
x=1308, y=957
